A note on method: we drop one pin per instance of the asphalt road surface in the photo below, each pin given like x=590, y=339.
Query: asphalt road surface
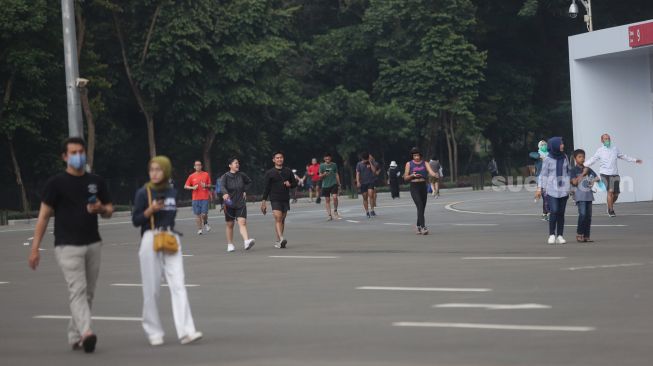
x=483, y=289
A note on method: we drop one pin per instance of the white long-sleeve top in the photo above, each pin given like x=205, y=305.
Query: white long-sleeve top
x=607, y=157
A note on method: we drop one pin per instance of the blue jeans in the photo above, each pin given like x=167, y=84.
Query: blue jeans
x=557, y=208
x=584, y=218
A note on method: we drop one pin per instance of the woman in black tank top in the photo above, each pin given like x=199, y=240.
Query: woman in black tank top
x=416, y=172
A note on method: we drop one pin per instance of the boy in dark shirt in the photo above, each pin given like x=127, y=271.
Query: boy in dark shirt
x=278, y=182
x=582, y=178
x=75, y=198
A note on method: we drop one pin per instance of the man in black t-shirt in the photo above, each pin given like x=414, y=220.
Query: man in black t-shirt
x=75, y=198
x=278, y=182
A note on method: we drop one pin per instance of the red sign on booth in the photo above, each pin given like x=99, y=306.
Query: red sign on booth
x=640, y=35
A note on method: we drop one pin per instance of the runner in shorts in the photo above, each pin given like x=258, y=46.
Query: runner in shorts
x=330, y=182
x=366, y=182
x=278, y=182
x=313, y=172
x=200, y=183
x=435, y=181
x=234, y=185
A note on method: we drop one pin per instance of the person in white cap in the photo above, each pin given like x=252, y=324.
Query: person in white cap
x=394, y=179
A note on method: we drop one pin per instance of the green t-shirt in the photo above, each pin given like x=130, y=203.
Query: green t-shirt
x=329, y=180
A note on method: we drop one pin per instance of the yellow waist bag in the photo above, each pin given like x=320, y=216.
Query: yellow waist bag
x=164, y=240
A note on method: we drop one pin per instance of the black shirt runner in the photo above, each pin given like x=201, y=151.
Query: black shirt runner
x=274, y=187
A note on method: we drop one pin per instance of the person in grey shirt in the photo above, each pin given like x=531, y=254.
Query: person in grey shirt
x=233, y=185
x=366, y=172
x=554, y=179
x=582, y=179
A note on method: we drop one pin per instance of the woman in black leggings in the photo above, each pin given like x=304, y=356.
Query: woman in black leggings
x=416, y=172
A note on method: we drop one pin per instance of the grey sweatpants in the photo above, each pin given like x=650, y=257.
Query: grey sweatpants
x=80, y=265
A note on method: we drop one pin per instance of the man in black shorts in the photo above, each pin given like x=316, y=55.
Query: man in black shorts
x=75, y=198
x=607, y=155
x=330, y=182
x=278, y=183
x=366, y=182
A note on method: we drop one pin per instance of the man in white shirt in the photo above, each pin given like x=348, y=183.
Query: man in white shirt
x=607, y=156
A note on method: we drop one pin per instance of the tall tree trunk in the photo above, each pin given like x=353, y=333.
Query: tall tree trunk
x=9, y=85
x=149, y=118
x=90, y=127
x=206, y=151
x=19, y=177
x=454, y=144
x=447, y=133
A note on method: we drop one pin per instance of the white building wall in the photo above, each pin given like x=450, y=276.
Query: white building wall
x=612, y=92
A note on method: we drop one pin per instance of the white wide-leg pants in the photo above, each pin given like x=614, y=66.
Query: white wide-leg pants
x=153, y=266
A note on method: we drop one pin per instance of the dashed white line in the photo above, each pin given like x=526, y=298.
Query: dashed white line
x=397, y=224
x=427, y=289
x=493, y=306
x=516, y=258
x=475, y=224
x=594, y=225
x=4, y=283
x=186, y=255
x=141, y=285
x=116, y=318
x=302, y=257
x=353, y=221
x=495, y=326
x=605, y=266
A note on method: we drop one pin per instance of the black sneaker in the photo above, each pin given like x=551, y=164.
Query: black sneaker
x=373, y=213
x=368, y=215
x=318, y=200
x=89, y=343
x=611, y=213
x=282, y=243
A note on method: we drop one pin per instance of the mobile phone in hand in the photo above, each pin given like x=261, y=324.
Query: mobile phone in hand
x=92, y=199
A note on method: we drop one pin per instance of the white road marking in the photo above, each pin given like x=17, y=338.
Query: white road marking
x=516, y=258
x=605, y=266
x=186, y=255
x=495, y=326
x=494, y=306
x=353, y=221
x=475, y=224
x=117, y=318
x=396, y=223
x=3, y=283
x=451, y=207
x=594, y=225
x=434, y=289
x=141, y=285
x=302, y=257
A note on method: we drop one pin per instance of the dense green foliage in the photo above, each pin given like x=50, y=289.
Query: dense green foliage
x=210, y=79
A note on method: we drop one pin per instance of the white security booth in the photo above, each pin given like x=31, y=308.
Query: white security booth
x=611, y=73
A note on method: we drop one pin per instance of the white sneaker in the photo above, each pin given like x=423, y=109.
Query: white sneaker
x=552, y=239
x=199, y=232
x=560, y=240
x=191, y=338
x=249, y=243
x=230, y=248
x=156, y=341
x=207, y=228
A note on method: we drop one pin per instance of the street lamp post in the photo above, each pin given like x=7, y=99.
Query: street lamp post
x=75, y=126
x=573, y=12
